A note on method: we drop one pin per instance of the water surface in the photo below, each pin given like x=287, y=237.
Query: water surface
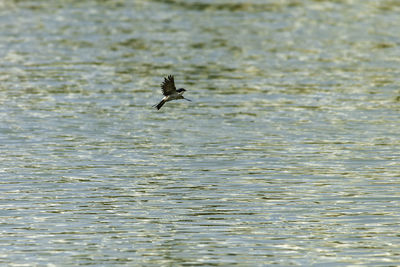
x=288, y=154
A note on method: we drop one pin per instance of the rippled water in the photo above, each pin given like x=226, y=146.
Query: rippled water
x=288, y=154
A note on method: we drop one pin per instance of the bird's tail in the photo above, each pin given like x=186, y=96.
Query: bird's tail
x=159, y=105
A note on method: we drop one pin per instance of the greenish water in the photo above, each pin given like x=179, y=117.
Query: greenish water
x=288, y=154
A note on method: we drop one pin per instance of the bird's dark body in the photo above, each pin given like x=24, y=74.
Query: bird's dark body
x=170, y=92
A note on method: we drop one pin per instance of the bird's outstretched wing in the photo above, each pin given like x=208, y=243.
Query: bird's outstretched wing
x=168, y=86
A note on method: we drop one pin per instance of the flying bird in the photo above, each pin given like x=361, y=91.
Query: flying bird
x=169, y=91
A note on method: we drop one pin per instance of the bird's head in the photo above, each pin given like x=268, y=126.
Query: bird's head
x=181, y=90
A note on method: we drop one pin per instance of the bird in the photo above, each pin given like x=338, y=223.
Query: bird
x=169, y=91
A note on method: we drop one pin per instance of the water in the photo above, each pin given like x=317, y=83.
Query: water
x=288, y=154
